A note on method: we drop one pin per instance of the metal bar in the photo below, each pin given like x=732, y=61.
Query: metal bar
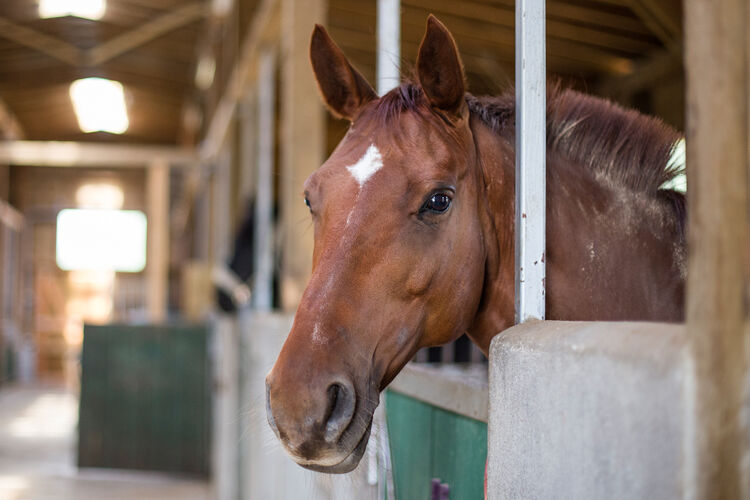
x=389, y=45
x=263, y=280
x=221, y=208
x=530, y=159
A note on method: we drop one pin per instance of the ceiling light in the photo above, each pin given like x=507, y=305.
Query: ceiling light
x=87, y=9
x=221, y=8
x=100, y=195
x=205, y=71
x=99, y=105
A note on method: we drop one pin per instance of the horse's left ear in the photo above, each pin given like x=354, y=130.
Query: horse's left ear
x=439, y=68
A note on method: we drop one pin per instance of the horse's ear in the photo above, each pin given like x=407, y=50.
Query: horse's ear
x=343, y=88
x=439, y=68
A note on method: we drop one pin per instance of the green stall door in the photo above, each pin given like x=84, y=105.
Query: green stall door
x=428, y=442
x=145, y=398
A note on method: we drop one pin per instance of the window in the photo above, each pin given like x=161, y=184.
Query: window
x=101, y=239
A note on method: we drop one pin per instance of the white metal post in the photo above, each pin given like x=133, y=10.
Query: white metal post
x=531, y=154
x=389, y=45
x=263, y=252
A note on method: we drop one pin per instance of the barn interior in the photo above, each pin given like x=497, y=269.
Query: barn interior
x=121, y=230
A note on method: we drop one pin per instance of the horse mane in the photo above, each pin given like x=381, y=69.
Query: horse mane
x=623, y=146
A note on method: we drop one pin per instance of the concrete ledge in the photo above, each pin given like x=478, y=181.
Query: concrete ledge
x=457, y=388
x=586, y=411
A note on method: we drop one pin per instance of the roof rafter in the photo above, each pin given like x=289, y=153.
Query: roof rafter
x=659, y=65
x=50, y=45
x=9, y=124
x=663, y=23
x=145, y=33
x=70, y=54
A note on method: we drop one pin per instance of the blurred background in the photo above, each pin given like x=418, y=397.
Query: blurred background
x=154, y=242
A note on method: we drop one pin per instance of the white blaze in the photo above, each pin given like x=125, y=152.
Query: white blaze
x=370, y=163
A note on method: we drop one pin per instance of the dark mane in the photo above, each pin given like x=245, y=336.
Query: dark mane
x=623, y=146
x=627, y=147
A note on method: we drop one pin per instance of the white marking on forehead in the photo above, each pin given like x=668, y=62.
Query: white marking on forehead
x=370, y=163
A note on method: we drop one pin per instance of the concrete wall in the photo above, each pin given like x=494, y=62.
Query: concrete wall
x=264, y=470
x=586, y=411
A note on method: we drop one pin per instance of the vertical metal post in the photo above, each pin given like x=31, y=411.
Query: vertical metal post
x=221, y=208
x=248, y=152
x=531, y=154
x=263, y=280
x=389, y=45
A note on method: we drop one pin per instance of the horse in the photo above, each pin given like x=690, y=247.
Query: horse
x=413, y=218
x=230, y=280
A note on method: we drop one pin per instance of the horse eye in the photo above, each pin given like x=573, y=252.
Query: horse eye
x=307, y=202
x=437, y=203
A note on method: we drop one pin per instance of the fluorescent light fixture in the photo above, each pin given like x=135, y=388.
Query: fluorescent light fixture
x=101, y=240
x=87, y=9
x=99, y=105
x=221, y=8
x=100, y=195
x=205, y=71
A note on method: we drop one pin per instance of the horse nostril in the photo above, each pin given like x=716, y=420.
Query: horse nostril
x=339, y=411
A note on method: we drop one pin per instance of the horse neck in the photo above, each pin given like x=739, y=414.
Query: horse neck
x=495, y=177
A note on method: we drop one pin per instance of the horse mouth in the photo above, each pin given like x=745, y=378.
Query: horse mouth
x=349, y=463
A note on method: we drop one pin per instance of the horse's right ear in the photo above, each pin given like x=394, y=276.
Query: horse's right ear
x=343, y=88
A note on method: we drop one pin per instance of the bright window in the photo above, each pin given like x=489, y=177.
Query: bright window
x=101, y=239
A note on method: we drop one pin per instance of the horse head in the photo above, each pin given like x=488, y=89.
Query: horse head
x=399, y=250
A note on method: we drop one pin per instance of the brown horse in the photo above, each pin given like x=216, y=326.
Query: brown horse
x=414, y=222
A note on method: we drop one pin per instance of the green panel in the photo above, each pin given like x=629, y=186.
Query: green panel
x=410, y=433
x=459, y=453
x=145, y=398
x=428, y=442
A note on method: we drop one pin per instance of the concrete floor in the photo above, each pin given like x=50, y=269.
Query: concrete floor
x=37, y=456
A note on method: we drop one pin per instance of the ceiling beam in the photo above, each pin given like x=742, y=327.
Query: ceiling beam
x=53, y=47
x=645, y=74
x=10, y=217
x=70, y=54
x=10, y=127
x=88, y=154
x=662, y=22
x=170, y=21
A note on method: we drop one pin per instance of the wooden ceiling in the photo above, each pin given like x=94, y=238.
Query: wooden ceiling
x=150, y=46
x=602, y=45
x=611, y=47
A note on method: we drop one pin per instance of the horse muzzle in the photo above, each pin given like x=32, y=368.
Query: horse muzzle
x=318, y=428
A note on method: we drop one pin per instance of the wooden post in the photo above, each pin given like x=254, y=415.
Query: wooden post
x=157, y=269
x=263, y=252
x=302, y=142
x=717, y=169
x=531, y=155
